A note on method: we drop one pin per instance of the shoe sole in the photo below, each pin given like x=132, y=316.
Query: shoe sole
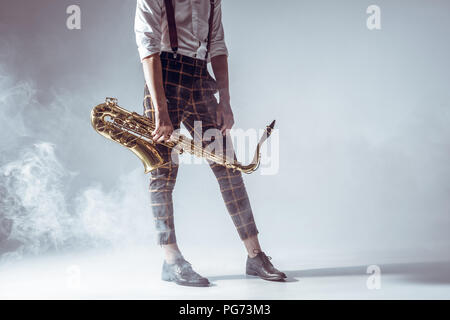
x=187, y=284
x=274, y=278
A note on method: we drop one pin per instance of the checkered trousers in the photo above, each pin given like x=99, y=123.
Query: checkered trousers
x=190, y=94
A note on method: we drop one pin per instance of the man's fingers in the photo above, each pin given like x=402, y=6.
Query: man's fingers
x=226, y=126
x=162, y=139
x=219, y=117
x=156, y=136
x=163, y=135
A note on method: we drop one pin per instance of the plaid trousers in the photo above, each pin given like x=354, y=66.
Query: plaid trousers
x=190, y=93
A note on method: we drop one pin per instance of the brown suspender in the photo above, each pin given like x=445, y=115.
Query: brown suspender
x=210, y=22
x=173, y=27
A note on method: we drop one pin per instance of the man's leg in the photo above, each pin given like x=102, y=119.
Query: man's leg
x=231, y=184
x=162, y=182
x=230, y=181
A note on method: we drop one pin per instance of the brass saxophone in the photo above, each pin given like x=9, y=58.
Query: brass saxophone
x=133, y=131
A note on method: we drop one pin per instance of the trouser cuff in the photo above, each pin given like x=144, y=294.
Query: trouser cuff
x=166, y=237
x=247, y=231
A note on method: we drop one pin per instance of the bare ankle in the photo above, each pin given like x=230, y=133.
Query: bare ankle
x=172, y=253
x=252, y=245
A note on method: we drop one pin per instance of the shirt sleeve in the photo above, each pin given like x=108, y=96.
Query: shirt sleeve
x=218, y=46
x=147, y=27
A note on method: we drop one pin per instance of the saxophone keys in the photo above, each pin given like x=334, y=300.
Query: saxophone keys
x=110, y=100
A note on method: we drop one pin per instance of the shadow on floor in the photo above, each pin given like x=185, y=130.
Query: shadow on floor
x=421, y=272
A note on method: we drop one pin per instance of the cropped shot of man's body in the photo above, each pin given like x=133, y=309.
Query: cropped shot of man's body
x=176, y=39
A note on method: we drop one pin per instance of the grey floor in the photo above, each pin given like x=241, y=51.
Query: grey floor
x=134, y=274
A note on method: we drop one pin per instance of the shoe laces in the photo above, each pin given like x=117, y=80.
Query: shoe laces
x=184, y=268
x=266, y=258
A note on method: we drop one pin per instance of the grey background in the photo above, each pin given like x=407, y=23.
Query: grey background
x=363, y=117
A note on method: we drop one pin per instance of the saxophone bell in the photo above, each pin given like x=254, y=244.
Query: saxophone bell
x=108, y=120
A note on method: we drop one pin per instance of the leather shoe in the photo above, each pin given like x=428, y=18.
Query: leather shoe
x=262, y=267
x=181, y=273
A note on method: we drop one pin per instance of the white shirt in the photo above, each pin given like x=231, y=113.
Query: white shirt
x=191, y=18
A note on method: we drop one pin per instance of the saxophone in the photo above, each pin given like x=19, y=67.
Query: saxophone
x=133, y=131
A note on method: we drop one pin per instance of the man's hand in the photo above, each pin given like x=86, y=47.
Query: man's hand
x=225, y=119
x=163, y=127
x=153, y=78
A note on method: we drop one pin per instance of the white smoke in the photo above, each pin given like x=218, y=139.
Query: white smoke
x=34, y=201
x=43, y=219
x=117, y=216
x=41, y=207
x=10, y=92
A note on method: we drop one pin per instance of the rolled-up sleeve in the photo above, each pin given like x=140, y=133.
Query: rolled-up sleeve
x=147, y=27
x=218, y=46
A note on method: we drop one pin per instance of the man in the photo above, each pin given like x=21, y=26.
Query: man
x=176, y=39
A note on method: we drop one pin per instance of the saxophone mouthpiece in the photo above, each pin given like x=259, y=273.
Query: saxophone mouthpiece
x=270, y=128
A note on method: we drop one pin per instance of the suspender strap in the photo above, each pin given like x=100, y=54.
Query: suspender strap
x=211, y=20
x=172, y=26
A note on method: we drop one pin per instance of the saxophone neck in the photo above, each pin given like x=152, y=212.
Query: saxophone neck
x=253, y=166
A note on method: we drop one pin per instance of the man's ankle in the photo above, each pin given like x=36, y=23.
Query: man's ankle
x=173, y=257
x=253, y=253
